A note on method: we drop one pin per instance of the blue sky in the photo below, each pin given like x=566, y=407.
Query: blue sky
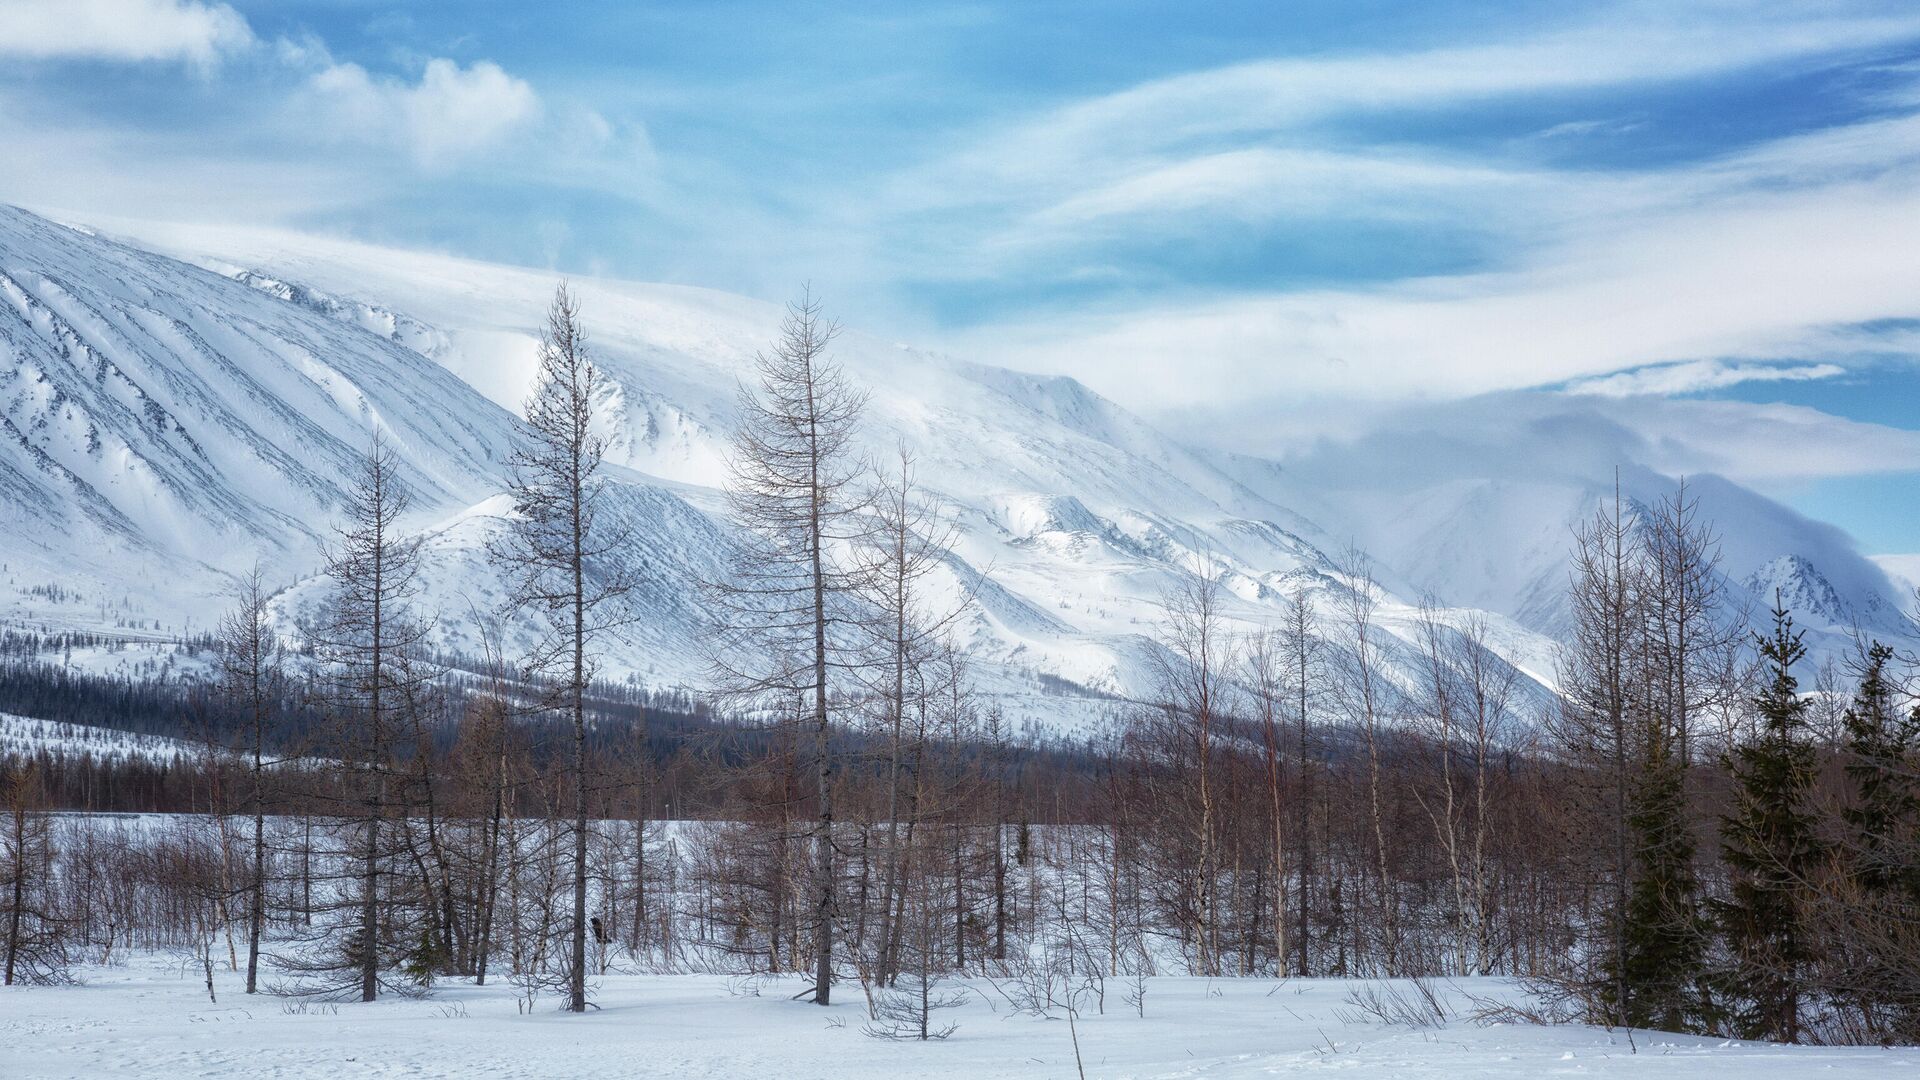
x=1262, y=224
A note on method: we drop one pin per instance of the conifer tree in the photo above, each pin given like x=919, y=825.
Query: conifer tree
x=250, y=666
x=1665, y=936
x=1771, y=850
x=369, y=640
x=1882, y=819
x=1885, y=811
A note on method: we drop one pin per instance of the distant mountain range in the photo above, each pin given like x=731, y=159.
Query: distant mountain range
x=168, y=420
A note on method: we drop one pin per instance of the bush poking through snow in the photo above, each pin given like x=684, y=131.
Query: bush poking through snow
x=1415, y=1004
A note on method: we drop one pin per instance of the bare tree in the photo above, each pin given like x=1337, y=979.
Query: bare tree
x=557, y=553
x=1594, y=726
x=368, y=636
x=252, y=670
x=1193, y=672
x=1694, y=647
x=785, y=628
x=997, y=766
x=1299, y=656
x=904, y=635
x=36, y=938
x=1267, y=678
x=1468, y=693
x=1367, y=696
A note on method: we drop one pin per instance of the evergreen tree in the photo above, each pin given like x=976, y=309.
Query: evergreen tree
x=1771, y=851
x=1885, y=810
x=1883, y=829
x=370, y=641
x=1665, y=935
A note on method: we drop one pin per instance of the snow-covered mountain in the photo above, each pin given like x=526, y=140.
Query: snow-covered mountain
x=163, y=427
x=172, y=419
x=1475, y=501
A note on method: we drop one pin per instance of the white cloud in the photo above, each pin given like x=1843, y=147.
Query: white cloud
x=1122, y=140
x=1538, y=436
x=82, y=171
x=451, y=113
x=1759, y=255
x=1763, y=444
x=122, y=29
x=1699, y=375
x=1578, y=129
x=1268, y=182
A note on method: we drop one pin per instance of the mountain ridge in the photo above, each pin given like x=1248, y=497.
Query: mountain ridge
x=1084, y=512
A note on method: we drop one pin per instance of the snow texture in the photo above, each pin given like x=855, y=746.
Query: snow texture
x=151, y=1017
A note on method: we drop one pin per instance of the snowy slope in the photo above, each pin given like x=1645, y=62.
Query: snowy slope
x=162, y=424
x=172, y=421
x=24, y=737
x=1073, y=515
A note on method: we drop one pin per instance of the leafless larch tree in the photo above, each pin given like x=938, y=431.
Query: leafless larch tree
x=785, y=619
x=558, y=552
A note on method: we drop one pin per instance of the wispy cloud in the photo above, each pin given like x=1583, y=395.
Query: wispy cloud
x=130, y=30
x=1130, y=150
x=1756, y=254
x=1697, y=376
x=1537, y=436
x=1102, y=216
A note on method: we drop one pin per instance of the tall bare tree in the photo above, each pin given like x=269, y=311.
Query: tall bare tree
x=1193, y=673
x=368, y=637
x=1300, y=656
x=1267, y=677
x=784, y=619
x=1693, y=643
x=1466, y=709
x=557, y=552
x=1594, y=727
x=252, y=670
x=910, y=540
x=1367, y=695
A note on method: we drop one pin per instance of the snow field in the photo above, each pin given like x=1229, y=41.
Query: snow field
x=151, y=1018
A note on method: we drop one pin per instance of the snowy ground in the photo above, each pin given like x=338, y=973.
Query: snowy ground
x=152, y=1019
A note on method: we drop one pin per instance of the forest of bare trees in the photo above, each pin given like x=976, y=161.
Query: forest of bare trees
x=1701, y=831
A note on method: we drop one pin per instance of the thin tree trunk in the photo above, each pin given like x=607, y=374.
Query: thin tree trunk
x=577, y=990
x=823, y=750
x=490, y=870
x=256, y=900
x=17, y=819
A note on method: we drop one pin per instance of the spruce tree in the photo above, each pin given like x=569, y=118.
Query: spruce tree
x=1665, y=935
x=1882, y=819
x=1885, y=810
x=1771, y=851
